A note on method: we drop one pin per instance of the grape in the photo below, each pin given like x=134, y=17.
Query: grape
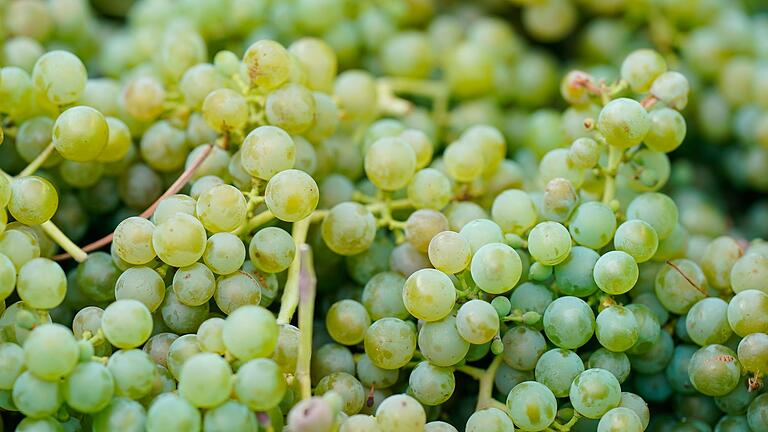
x=225, y=110
x=748, y=272
x=569, y=322
x=347, y=321
x=89, y=388
x=714, y=370
x=737, y=401
x=441, y=343
x=41, y=283
x=616, y=328
x=179, y=351
x=221, y=208
x=620, y=419
x=549, y=243
x=616, y=272
x=623, y=122
x=707, y=322
x=477, y=321
x=230, y=415
x=250, y=332
x=331, y=358
x=422, y=225
x=679, y=285
x=671, y=88
x=462, y=162
x=648, y=328
x=641, y=67
x=291, y=195
x=224, y=253
x=371, y=375
x=489, y=420
x=429, y=188
x=35, y=397
x=746, y=312
x=41, y=424
x=163, y=147
x=206, y=380
x=390, y=343
x=80, y=134
x=266, y=151
x=311, y=414
x=616, y=363
x=401, y=413
x=752, y=352
x=757, y=415
x=12, y=359
x=532, y=406
x=390, y=163
x=60, y=76
x=347, y=387
x=290, y=107
x=142, y=284
x=557, y=369
x=127, y=323
x=637, y=238
x=523, y=346
x=480, y=232
x=656, y=358
x=593, y=225
x=158, y=347
x=514, y=211
x=667, y=130
x=595, y=392
x=449, y=252
x=133, y=372
x=495, y=268
x=19, y=247
x=179, y=241
x=658, y=210
x=574, y=276
x=182, y=318
x=431, y=385
x=33, y=200
x=170, y=412
x=383, y=296
x=120, y=413
x=349, y=228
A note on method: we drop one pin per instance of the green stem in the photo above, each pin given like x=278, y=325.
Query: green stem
x=37, y=162
x=567, y=426
x=290, y=297
x=485, y=394
x=472, y=371
x=62, y=240
x=307, y=282
x=254, y=222
x=614, y=159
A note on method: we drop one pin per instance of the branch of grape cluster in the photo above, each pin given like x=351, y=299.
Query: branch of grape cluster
x=38, y=161
x=307, y=282
x=291, y=291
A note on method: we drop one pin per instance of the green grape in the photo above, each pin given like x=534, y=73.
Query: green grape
x=469, y=68
x=507, y=378
x=121, y=414
x=291, y=195
x=209, y=335
x=390, y=343
x=142, y=284
x=133, y=372
x=736, y=402
x=179, y=351
x=33, y=200
x=431, y=385
x=429, y=295
x=349, y=228
x=81, y=174
x=523, y=346
x=638, y=406
x=89, y=388
x=60, y=76
x=714, y=370
x=229, y=416
x=225, y=110
x=648, y=328
x=569, y=322
x=616, y=272
x=646, y=170
x=357, y=95
x=707, y=322
x=351, y=393
x=390, y=163
x=557, y=369
x=383, y=296
x=559, y=200
x=637, y=238
x=232, y=291
x=641, y=67
x=371, y=375
x=531, y=297
x=532, y=406
x=593, y=224
x=667, y=130
x=441, y=343
x=584, y=153
x=217, y=162
x=496, y=268
x=422, y=225
x=439, y=426
x=7, y=277
x=272, y=250
x=679, y=285
x=574, y=276
x=290, y=107
x=224, y=253
x=657, y=210
x=139, y=186
x=326, y=119
x=268, y=64
x=477, y=321
x=266, y=151
x=80, y=134
x=157, y=347
x=747, y=273
x=5, y=190
x=623, y=122
x=757, y=415
x=401, y=413
x=221, y=208
x=12, y=360
x=41, y=283
x=449, y=252
x=747, y=312
x=206, y=380
x=671, y=88
x=480, y=232
x=616, y=363
x=514, y=211
x=331, y=358
x=250, y=332
x=407, y=54
x=194, y=285
x=170, y=412
x=594, y=392
x=335, y=189
x=32, y=138
x=489, y=420
x=752, y=352
x=462, y=212
x=35, y=397
x=620, y=419
x=127, y=323
x=421, y=145
x=179, y=241
x=362, y=267
x=182, y=318
x=555, y=164
x=429, y=188
x=347, y=321
x=168, y=207
x=197, y=82
x=656, y=358
x=549, y=243
x=491, y=143
x=406, y=260
x=616, y=328
x=164, y=147
x=463, y=162
x=51, y=352
x=315, y=54
x=39, y=425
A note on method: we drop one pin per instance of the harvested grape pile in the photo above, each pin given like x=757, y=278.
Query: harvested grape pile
x=383, y=216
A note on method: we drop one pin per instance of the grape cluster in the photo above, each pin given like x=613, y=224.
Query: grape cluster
x=403, y=216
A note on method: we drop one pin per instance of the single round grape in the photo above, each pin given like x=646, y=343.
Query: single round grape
x=182, y=348
x=594, y=392
x=667, y=130
x=291, y=195
x=646, y=171
x=748, y=272
x=714, y=370
x=657, y=209
x=557, y=369
x=463, y=162
x=349, y=228
x=127, y=323
x=671, y=88
x=260, y=384
x=383, y=296
x=449, y=252
x=623, y=122
x=532, y=406
x=641, y=67
x=616, y=363
x=584, y=153
x=313, y=413
x=179, y=241
x=60, y=76
x=28, y=424
x=331, y=358
x=390, y=163
x=80, y=134
x=229, y=416
x=142, y=284
x=133, y=372
x=648, y=328
x=480, y=232
x=266, y=151
x=51, y=352
x=489, y=420
x=347, y=322
x=178, y=203
x=371, y=375
x=35, y=397
x=441, y=343
x=290, y=107
x=181, y=318
x=401, y=413
x=574, y=276
x=422, y=225
x=12, y=359
x=707, y=322
x=157, y=347
x=205, y=380
x=225, y=110
x=41, y=283
x=221, y=208
x=89, y=388
x=272, y=249
x=429, y=188
x=170, y=412
x=523, y=346
x=431, y=385
x=351, y=393
x=268, y=64
x=656, y=358
x=133, y=240
x=33, y=200
x=224, y=253
x=593, y=224
x=121, y=413
x=679, y=285
x=747, y=312
x=514, y=211
x=620, y=419
x=461, y=213
x=250, y=332
x=390, y=343
x=735, y=402
x=616, y=328
x=616, y=272
x=194, y=285
x=757, y=415
x=477, y=321
x=637, y=238
x=496, y=268
x=753, y=353
x=164, y=147
x=569, y=322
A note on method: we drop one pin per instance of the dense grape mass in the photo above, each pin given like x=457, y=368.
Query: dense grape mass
x=383, y=216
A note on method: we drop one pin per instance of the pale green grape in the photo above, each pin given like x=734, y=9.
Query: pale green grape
x=331, y=358
x=584, y=153
x=757, y=415
x=157, y=347
x=133, y=372
x=616, y=328
x=5, y=190
x=164, y=147
x=209, y=335
x=748, y=272
x=225, y=110
x=514, y=211
x=532, y=406
x=35, y=397
x=179, y=351
x=168, y=207
x=559, y=200
x=224, y=253
x=390, y=163
x=383, y=296
x=371, y=375
x=326, y=119
x=230, y=416
x=616, y=363
x=205, y=380
x=179, y=241
x=431, y=385
x=523, y=346
x=290, y=107
x=648, y=328
x=429, y=188
x=574, y=276
x=33, y=200
x=441, y=343
x=250, y=332
x=351, y=393
x=429, y=295
x=197, y=82
x=623, y=122
x=531, y=297
x=291, y=195
x=714, y=370
x=641, y=67
x=314, y=54
x=620, y=419
x=646, y=170
x=569, y=322
x=32, y=138
x=593, y=225
x=753, y=353
x=194, y=284
x=462, y=212
x=489, y=420
x=557, y=369
x=401, y=413
x=357, y=94
x=707, y=322
x=60, y=76
x=80, y=134
x=41, y=283
x=496, y=268
x=747, y=312
x=221, y=208
x=233, y=290
x=679, y=285
x=594, y=392
x=549, y=243
x=637, y=238
x=616, y=272
x=81, y=174
x=469, y=68
x=463, y=162
x=390, y=343
x=657, y=209
x=360, y=423
x=89, y=388
x=182, y=318
x=268, y=64
x=127, y=323
x=44, y=424
x=170, y=412
x=480, y=232
x=422, y=225
x=667, y=130
x=51, y=352
x=556, y=164
x=449, y=252
x=142, y=284
x=407, y=54
x=638, y=406
x=349, y=228
x=12, y=361
x=347, y=321
x=671, y=88
x=477, y=321
x=266, y=151
x=217, y=162
x=656, y=358
x=121, y=414
x=312, y=413
x=421, y=145
x=272, y=250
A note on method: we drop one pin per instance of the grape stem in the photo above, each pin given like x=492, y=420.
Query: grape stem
x=146, y=214
x=62, y=240
x=614, y=159
x=435, y=90
x=37, y=162
x=307, y=282
x=567, y=426
x=485, y=394
x=254, y=222
x=291, y=292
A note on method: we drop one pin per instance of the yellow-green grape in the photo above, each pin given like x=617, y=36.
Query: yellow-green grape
x=3, y=219
x=33, y=200
x=429, y=188
x=225, y=110
x=7, y=276
x=477, y=322
x=480, y=232
x=41, y=283
x=496, y=268
x=620, y=419
x=5, y=190
x=32, y=137
x=306, y=155
x=616, y=272
x=316, y=57
x=679, y=285
x=250, y=332
x=209, y=336
x=126, y=323
x=102, y=94
x=584, y=152
x=260, y=384
x=240, y=288
x=646, y=170
x=549, y=243
x=349, y=228
x=272, y=250
x=748, y=272
x=641, y=67
x=623, y=123
x=143, y=284
x=463, y=161
x=347, y=321
x=226, y=62
x=422, y=225
x=179, y=241
x=514, y=211
x=221, y=208
x=178, y=203
x=143, y=98
x=449, y=252
x=357, y=93
x=164, y=147
x=401, y=413
x=266, y=151
x=197, y=82
x=573, y=88
x=51, y=352
x=559, y=200
x=80, y=174
x=667, y=130
x=35, y=397
x=469, y=69
x=89, y=388
x=556, y=163
x=657, y=209
x=16, y=91
x=326, y=119
x=206, y=380
x=441, y=343
x=224, y=253
x=429, y=295
x=80, y=134
x=287, y=349
x=637, y=238
x=268, y=64
x=291, y=195
x=217, y=162
x=421, y=145
x=672, y=89
x=490, y=142
x=390, y=163
x=291, y=107
x=194, y=285
x=19, y=246
x=60, y=76
x=407, y=54
x=132, y=241
x=390, y=343
x=550, y=21
x=169, y=412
